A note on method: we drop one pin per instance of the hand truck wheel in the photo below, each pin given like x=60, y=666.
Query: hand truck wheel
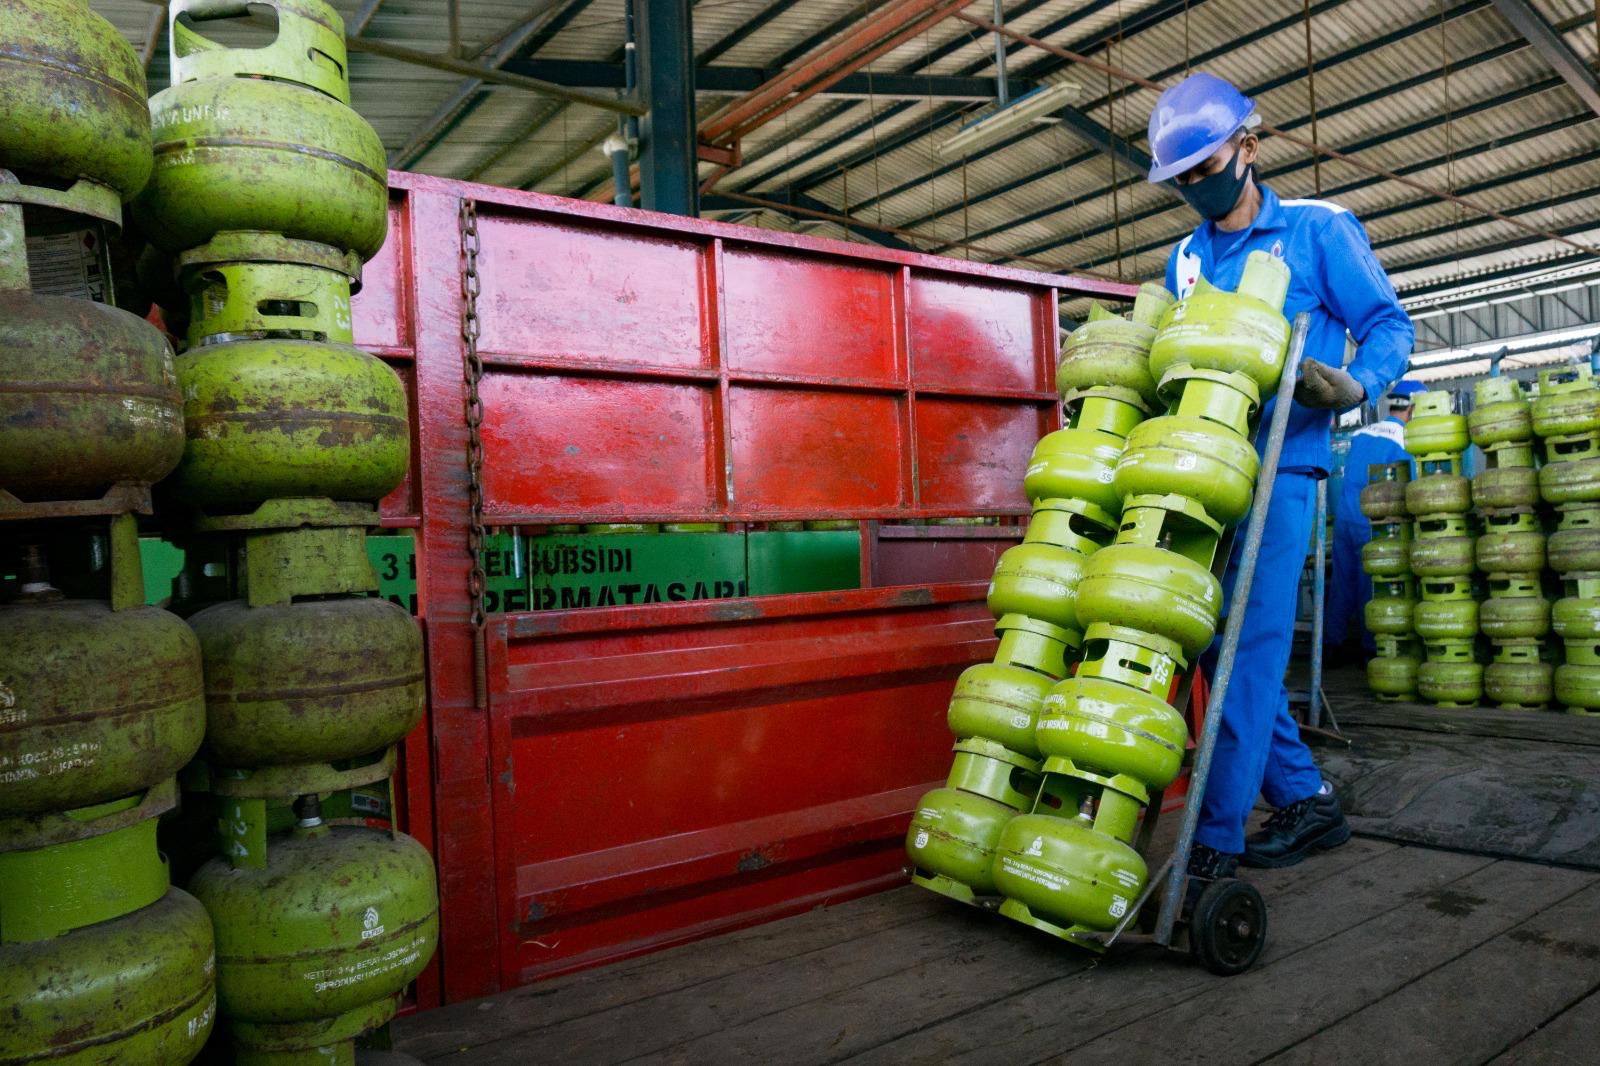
x=1228, y=928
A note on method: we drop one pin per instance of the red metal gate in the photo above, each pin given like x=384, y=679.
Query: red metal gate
x=647, y=774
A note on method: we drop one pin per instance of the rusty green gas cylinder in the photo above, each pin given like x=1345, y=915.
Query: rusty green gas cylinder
x=1516, y=681
x=1508, y=478
x=1390, y=609
x=136, y=990
x=340, y=918
x=954, y=829
x=1571, y=473
x=1577, y=687
x=1393, y=677
x=1436, y=494
x=1191, y=454
x=74, y=99
x=286, y=418
x=1445, y=619
x=98, y=703
x=1066, y=872
x=1500, y=413
x=308, y=682
x=264, y=139
x=1388, y=553
x=1112, y=352
x=1568, y=401
x=1450, y=684
x=1575, y=544
x=1000, y=703
x=1576, y=618
x=1109, y=728
x=1234, y=332
x=1442, y=547
x=90, y=397
x=1435, y=428
x=1384, y=495
x=1512, y=543
x=1515, y=609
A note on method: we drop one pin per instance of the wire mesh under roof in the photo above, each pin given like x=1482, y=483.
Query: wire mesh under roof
x=1448, y=95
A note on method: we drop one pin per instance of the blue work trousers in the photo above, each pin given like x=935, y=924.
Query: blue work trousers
x=1259, y=750
x=1350, y=588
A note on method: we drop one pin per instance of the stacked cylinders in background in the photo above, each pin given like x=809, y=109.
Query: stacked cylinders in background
x=1386, y=558
x=268, y=193
x=1511, y=548
x=1442, y=554
x=1566, y=416
x=1110, y=737
x=995, y=708
x=101, y=959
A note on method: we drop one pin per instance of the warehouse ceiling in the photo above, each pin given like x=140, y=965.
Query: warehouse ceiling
x=1451, y=99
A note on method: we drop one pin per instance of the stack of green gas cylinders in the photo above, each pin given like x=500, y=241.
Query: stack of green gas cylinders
x=1566, y=415
x=1107, y=740
x=267, y=195
x=1442, y=554
x=101, y=959
x=1511, y=549
x=1386, y=557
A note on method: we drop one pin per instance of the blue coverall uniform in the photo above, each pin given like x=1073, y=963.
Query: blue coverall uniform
x=1336, y=278
x=1351, y=588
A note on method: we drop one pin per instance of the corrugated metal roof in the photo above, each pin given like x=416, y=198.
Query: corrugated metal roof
x=1447, y=98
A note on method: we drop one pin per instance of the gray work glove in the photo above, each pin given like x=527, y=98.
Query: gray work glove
x=1327, y=387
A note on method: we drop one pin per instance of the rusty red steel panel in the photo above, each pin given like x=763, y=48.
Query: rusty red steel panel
x=645, y=775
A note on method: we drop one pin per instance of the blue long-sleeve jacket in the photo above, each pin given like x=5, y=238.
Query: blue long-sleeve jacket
x=1333, y=275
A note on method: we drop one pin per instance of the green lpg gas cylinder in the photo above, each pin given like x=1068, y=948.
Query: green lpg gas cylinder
x=1571, y=473
x=1390, y=609
x=1500, y=413
x=1000, y=703
x=1577, y=685
x=1443, y=547
x=1078, y=462
x=340, y=918
x=1519, y=678
x=1035, y=645
x=1388, y=553
x=1575, y=545
x=1439, y=493
x=90, y=397
x=1111, y=352
x=1109, y=729
x=136, y=990
x=246, y=285
x=1384, y=495
x=96, y=703
x=263, y=138
x=1235, y=332
x=287, y=418
x=1576, y=618
x=1039, y=577
x=1194, y=453
x=1445, y=619
x=1512, y=543
x=1508, y=478
x=1131, y=657
x=1393, y=677
x=1435, y=428
x=1151, y=589
x=1063, y=874
x=312, y=681
x=1568, y=401
x=1450, y=684
x=1515, y=609
x=954, y=830
x=74, y=104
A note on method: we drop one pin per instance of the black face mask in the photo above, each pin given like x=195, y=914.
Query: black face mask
x=1215, y=195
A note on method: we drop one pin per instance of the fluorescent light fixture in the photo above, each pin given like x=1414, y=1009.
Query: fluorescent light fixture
x=997, y=125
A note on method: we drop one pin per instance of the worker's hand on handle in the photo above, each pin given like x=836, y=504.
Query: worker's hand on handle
x=1327, y=387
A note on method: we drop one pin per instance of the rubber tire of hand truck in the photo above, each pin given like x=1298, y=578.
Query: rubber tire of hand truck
x=1228, y=928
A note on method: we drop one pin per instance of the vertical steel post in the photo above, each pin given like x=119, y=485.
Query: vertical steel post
x=1001, y=89
x=1172, y=898
x=1319, y=597
x=668, y=171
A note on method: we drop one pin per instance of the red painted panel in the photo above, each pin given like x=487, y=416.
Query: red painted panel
x=590, y=294
x=973, y=454
x=379, y=310
x=568, y=445
x=975, y=334
x=828, y=323
x=796, y=450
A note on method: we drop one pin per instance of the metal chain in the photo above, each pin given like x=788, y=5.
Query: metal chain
x=472, y=369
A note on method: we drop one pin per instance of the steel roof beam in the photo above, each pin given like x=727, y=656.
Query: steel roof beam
x=1552, y=48
x=580, y=74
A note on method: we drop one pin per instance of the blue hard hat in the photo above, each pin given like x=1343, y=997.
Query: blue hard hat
x=1406, y=388
x=1191, y=121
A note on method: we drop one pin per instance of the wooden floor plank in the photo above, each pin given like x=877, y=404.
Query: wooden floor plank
x=448, y=1030
x=1275, y=1006
x=1568, y=1039
x=1332, y=894
x=646, y=1025
x=1466, y=1011
x=1473, y=721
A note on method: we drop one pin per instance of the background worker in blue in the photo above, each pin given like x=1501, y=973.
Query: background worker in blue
x=1201, y=140
x=1344, y=634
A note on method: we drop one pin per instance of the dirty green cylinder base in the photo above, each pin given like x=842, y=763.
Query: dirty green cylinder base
x=1500, y=413
x=1509, y=486
x=1575, y=544
x=1577, y=687
x=1519, y=685
x=1065, y=872
x=1393, y=678
x=1568, y=401
x=1388, y=553
x=1439, y=494
x=1450, y=684
x=1509, y=618
x=1384, y=494
x=313, y=1043
x=951, y=841
x=134, y=991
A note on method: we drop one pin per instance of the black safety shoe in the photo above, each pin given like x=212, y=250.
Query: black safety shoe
x=1205, y=866
x=1293, y=832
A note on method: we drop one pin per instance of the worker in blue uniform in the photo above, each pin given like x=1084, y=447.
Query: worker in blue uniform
x=1344, y=631
x=1202, y=140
